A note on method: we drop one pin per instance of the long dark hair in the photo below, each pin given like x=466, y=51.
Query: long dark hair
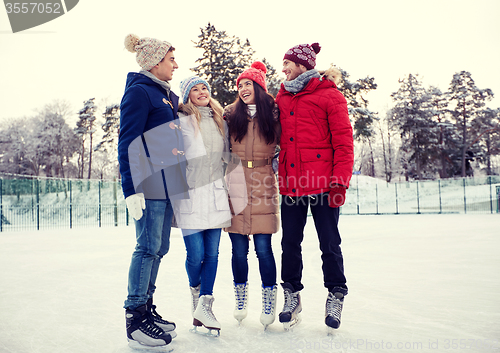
x=238, y=119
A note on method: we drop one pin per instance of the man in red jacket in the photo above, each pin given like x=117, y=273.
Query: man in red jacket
x=315, y=167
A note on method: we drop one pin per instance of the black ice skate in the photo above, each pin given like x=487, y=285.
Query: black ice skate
x=165, y=325
x=290, y=315
x=143, y=333
x=333, y=310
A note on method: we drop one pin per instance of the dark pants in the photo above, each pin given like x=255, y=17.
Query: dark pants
x=293, y=219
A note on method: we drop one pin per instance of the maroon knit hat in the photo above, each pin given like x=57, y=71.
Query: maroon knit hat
x=304, y=54
x=256, y=73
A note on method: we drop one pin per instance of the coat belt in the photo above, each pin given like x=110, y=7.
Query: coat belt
x=256, y=163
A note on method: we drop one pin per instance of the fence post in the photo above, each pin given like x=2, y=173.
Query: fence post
x=70, y=204
x=498, y=199
x=100, y=210
x=1, y=205
x=397, y=206
x=116, y=202
x=439, y=190
x=418, y=199
x=37, y=183
x=357, y=193
x=491, y=195
x=376, y=196
x=465, y=198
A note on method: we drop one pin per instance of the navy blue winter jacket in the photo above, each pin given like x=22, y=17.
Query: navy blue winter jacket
x=149, y=141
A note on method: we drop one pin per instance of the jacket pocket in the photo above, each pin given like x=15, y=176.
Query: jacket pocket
x=316, y=167
x=220, y=196
x=186, y=205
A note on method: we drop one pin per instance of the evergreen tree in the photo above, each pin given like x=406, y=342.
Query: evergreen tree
x=468, y=104
x=224, y=59
x=273, y=79
x=111, y=129
x=355, y=94
x=108, y=146
x=489, y=139
x=85, y=129
x=447, y=142
x=413, y=116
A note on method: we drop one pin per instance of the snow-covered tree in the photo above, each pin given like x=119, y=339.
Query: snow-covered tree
x=387, y=131
x=468, y=104
x=55, y=140
x=109, y=144
x=412, y=113
x=13, y=147
x=85, y=131
x=273, y=79
x=489, y=139
x=355, y=94
x=224, y=58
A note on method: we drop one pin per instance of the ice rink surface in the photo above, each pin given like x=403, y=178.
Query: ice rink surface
x=417, y=283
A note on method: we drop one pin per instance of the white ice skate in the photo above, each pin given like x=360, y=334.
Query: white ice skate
x=268, y=306
x=204, y=317
x=195, y=297
x=241, y=299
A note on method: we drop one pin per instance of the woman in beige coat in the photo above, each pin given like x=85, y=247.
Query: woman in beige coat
x=254, y=135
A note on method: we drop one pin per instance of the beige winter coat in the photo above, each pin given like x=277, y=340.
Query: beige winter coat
x=261, y=201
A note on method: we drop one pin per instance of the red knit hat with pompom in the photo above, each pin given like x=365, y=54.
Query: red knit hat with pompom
x=256, y=73
x=304, y=54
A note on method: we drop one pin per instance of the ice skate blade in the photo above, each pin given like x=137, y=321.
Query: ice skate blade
x=288, y=326
x=140, y=347
x=330, y=331
x=212, y=332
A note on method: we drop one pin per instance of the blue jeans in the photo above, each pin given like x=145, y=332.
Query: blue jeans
x=264, y=251
x=202, y=257
x=153, y=241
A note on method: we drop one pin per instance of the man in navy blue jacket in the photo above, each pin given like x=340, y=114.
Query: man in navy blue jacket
x=152, y=166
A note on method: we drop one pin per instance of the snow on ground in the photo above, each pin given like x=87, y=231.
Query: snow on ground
x=426, y=283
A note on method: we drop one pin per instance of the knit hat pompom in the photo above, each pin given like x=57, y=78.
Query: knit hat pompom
x=131, y=41
x=316, y=47
x=150, y=51
x=304, y=54
x=259, y=66
x=257, y=73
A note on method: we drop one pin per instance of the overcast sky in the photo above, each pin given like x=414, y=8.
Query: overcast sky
x=81, y=54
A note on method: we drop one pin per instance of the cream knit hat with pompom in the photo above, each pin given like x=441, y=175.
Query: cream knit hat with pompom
x=149, y=51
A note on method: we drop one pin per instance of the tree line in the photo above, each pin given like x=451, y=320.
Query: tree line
x=426, y=134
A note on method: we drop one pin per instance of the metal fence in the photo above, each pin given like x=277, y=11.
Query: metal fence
x=32, y=204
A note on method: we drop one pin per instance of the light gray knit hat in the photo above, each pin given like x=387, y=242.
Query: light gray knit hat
x=149, y=51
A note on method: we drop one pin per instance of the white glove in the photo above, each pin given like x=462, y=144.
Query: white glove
x=135, y=204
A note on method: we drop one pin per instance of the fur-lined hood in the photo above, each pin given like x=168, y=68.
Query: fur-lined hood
x=332, y=74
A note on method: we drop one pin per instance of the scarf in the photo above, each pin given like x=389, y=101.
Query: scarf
x=155, y=79
x=297, y=85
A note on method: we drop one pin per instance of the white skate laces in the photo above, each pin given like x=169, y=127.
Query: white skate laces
x=333, y=309
x=241, y=298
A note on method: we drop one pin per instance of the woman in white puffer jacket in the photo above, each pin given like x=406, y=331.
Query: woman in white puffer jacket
x=206, y=212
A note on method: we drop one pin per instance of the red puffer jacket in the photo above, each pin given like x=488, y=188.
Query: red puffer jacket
x=316, y=139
